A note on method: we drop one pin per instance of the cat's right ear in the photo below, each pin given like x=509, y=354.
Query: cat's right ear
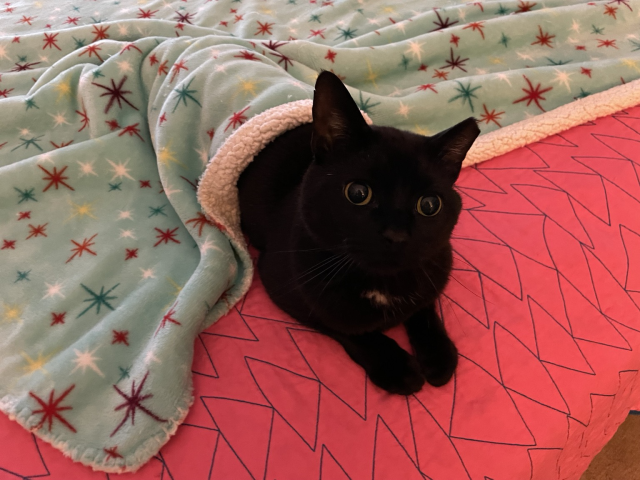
x=336, y=116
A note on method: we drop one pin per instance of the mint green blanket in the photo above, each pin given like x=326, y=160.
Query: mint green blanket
x=109, y=114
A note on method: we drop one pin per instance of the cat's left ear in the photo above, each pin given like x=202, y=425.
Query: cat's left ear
x=452, y=146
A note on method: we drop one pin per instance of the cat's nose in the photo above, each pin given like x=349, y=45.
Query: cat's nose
x=395, y=236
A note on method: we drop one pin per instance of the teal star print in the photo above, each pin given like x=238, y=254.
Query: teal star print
x=504, y=40
x=97, y=73
x=404, y=62
x=80, y=42
x=597, y=30
x=124, y=373
x=635, y=44
x=183, y=93
x=98, y=299
x=157, y=211
x=365, y=106
x=23, y=276
x=346, y=33
x=26, y=195
x=29, y=141
x=465, y=93
x=115, y=186
x=31, y=103
x=502, y=10
x=582, y=94
x=315, y=18
x=557, y=62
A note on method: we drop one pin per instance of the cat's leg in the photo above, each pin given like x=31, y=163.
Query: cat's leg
x=436, y=353
x=385, y=362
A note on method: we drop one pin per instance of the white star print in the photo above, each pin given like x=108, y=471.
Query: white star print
x=127, y=234
x=86, y=360
x=45, y=157
x=204, y=155
x=415, y=49
x=168, y=191
x=373, y=21
x=25, y=131
x=125, y=214
x=122, y=29
x=86, y=168
x=150, y=357
x=208, y=245
x=504, y=78
x=3, y=53
x=59, y=119
x=575, y=26
x=481, y=71
x=221, y=68
x=396, y=92
x=403, y=110
x=524, y=56
x=124, y=66
x=401, y=26
x=53, y=290
x=147, y=273
x=572, y=40
x=120, y=170
x=562, y=78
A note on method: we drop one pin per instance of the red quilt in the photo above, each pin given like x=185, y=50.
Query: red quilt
x=543, y=306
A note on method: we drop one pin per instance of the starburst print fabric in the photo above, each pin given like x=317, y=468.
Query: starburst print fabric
x=110, y=112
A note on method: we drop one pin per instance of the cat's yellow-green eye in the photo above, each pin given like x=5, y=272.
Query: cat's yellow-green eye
x=358, y=193
x=429, y=206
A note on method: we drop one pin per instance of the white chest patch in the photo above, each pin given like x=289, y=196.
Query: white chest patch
x=378, y=299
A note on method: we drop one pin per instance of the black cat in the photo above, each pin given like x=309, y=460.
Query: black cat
x=353, y=223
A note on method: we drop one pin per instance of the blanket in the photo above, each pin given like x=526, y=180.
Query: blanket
x=110, y=114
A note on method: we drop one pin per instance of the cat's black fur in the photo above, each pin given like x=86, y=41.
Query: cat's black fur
x=322, y=256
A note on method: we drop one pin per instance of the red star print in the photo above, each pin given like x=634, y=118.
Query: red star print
x=8, y=244
x=271, y=45
x=116, y=93
x=442, y=24
x=533, y=94
x=475, y=26
x=490, y=116
x=6, y=92
x=327, y=3
x=441, y=74
x=71, y=20
x=427, y=86
x=585, y=71
x=166, y=236
x=57, y=318
x=611, y=11
x=80, y=248
x=423, y=67
x=62, y=144
x=133, y=402
x=112, y=452
x=238, y=18
x=163, y=68
x=26, y=19
x=50, y=40
x=179, y=26
x=543, y=38
x=264, y=28
x=237, y=119
x=199, y=221
x=194, y=184
x=331, y=56
x=580, y=47
x=184, y=18
x=146, y=13
x=37, y=231
x=153, y=59
x=246, y=55
x=224, y=24
x=120, y=336
x=132, y=130
x=24, y=66
x=131, y=253
x=51, y=410
x=456, y=62
x=16, y=39
x=607, y=43
x=8, y=9
x=84, y=118
x=176, y=69
x=163, y=118
x=168, y=318
x=233, y=10
x=525, y=6
x=56, y=178
x=316, y=33
x=48, y=25
x=92, y=50
x=100, y=32
x=113, y=124
x=23, y=215
x=622, y=2
x=341, y=77
x=211, y=132
x=283, y=58
x=145, y=183
x=129, y=46
x=455, y=39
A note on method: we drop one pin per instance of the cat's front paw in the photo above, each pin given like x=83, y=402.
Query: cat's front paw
x=438, y=362
x=398, y=373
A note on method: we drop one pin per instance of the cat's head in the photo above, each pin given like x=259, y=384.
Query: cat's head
x=384, y=195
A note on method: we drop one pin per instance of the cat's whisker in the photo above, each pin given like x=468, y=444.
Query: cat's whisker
x=324, y=265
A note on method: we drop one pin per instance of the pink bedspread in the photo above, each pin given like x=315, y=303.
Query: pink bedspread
x=543, y=306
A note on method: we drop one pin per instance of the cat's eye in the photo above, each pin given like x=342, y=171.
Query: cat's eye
x=358, y=193
x=429, y=206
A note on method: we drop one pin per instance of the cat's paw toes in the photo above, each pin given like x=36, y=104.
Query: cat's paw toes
x=399, y=375
x=439, y=365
